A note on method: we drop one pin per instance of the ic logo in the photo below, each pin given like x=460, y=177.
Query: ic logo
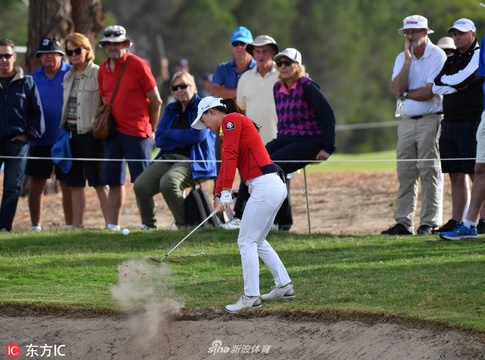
x=12, y=351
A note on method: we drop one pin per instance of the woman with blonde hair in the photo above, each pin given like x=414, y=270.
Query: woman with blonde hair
x=178, y=144
x=306, y=123
x=81, y=99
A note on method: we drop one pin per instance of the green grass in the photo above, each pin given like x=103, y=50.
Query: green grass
x=370, y=162
x=407, y=277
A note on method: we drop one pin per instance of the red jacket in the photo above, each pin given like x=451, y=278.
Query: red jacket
x=242, y=148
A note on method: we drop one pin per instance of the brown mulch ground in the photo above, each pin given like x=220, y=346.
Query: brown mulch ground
x=339, y=203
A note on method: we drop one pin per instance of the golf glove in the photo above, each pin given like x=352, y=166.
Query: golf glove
x=226, y=198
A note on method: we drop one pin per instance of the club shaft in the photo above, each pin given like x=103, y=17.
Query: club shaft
x=190, y=233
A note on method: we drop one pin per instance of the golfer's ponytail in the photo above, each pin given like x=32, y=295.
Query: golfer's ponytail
x=232, y=107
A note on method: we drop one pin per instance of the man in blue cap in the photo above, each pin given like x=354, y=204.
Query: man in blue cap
x=227, y=74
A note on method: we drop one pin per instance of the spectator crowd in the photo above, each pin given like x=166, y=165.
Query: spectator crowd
x=439, y=102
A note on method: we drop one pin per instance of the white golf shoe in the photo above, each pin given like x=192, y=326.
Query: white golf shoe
x=285, y=292
x=244, y=303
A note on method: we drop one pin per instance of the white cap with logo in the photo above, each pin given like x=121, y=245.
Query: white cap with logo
x=205, y=104
x=415, y=22
x=463, y=25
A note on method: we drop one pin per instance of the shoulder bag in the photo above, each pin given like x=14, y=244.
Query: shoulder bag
x=103, y=125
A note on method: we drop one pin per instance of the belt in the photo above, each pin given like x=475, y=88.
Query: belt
x=416, y=117
x=269, y=169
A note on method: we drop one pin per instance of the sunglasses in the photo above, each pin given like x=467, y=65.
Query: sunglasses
x=238, y=43
x=113, y=33
x=280, y=63
x=76, y=51
x=6, y=56
x=179, y=86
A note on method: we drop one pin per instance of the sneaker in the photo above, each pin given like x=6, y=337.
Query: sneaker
x=284, y=227
x=244, y=303
x=274, y=227
x=146, y=227
x=460, y=232
x=235, y=223
x=425, y=230
x=36, y=228
x=285, y=292
x=450, y=225
x=481, y=226
x=113, y=227
x=397, y=229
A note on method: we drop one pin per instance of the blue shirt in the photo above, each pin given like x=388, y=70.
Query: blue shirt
x=226, y=74
x=51, y=95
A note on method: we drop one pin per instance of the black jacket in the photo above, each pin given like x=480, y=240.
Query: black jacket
x=467, y=102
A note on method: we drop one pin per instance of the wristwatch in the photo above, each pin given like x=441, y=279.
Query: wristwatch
x=405, y=94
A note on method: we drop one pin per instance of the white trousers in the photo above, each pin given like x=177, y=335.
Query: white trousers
x=267, y=195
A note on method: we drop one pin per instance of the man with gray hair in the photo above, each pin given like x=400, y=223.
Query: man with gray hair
x=417, y=147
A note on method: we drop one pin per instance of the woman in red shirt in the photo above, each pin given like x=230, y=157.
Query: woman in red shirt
x=242, y=148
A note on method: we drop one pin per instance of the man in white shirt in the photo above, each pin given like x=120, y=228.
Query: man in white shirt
x=417, y=148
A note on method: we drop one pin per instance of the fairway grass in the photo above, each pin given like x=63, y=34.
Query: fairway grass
x=371, y=162
x=411, y=277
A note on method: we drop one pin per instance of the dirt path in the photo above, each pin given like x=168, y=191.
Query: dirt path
x=340, y=203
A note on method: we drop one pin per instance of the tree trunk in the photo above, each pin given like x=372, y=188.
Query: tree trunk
x=58, y=18
x=88, y=18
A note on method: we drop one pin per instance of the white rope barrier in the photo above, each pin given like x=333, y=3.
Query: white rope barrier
x=218, y=161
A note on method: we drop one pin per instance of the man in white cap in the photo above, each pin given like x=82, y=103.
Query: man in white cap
x=469, y=228
x=255, y=97
x=136, y=110
x=461, y=87
x=417, y=148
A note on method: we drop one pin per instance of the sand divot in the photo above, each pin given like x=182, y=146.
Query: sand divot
x=146, y=290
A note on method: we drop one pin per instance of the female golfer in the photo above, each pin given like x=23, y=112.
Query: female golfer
x=242, y=148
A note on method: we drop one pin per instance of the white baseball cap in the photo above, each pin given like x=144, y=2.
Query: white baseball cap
x=291, y=54
x=463, y=25
x=415, y=22
x=205, y=104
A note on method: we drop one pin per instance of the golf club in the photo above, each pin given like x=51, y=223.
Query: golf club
x=181, y=241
